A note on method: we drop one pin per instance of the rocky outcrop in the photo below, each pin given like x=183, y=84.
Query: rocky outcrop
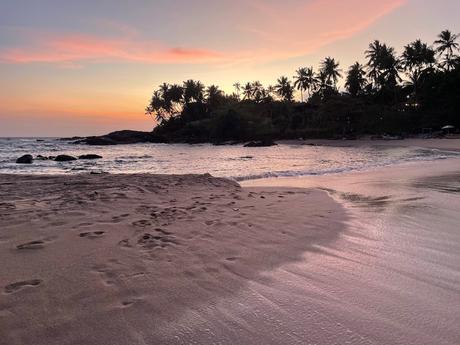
x=119, y=138
x=90, y=156
x=64, y=158
x=26, y=159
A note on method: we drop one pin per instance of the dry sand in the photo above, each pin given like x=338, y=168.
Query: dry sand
x=145, y=259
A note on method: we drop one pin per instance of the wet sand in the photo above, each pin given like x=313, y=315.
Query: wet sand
x=447, y=144
x=359, y=258
x=393, y=277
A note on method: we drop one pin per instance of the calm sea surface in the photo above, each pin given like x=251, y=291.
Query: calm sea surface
x=235, y=162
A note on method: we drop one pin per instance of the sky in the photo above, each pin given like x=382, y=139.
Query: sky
x=88, y=67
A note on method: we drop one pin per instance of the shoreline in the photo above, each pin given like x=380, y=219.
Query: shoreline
x=192, y=258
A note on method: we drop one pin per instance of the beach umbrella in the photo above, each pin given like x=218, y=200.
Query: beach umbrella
x=447, y=128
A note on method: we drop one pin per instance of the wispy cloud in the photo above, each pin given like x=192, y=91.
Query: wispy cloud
x=76, y=48
x=271, y=30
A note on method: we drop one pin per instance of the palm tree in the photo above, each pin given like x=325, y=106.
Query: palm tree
x=193, y=91
x=446, y=45
x=213, y=95
x=356, y=79
x=383, y=65
x=247, y=91
x=237, y=87
x=301, y=81
x=330, y=69
x=284, y=89
x=373, y=55
x=418, y=60
x=257, y=91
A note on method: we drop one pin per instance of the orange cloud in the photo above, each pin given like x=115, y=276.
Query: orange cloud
x=76, y=48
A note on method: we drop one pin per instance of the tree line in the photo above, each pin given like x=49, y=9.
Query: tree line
x=412, y=92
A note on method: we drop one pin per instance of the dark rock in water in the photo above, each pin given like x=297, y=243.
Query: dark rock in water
x=70, y=139
x=64, y=158
x=41, y=158
x=97, y=141
x=26, y=159
x=120, y=137
x=261, y=143
x=90, y=156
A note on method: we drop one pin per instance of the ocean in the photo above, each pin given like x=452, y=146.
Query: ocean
x=232, y=161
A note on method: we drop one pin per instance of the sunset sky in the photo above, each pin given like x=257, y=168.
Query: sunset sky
x=88, y=67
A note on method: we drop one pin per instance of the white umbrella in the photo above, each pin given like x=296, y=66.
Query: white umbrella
x=448, y=127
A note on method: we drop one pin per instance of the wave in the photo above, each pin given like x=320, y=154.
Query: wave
x=299, y=173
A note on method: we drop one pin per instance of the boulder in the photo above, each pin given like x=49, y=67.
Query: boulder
x=41, y=158
x=26, y=159
x=90, y=156
x=261, y=143
x=64, y=158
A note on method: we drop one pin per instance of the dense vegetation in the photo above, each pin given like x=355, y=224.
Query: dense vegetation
x=414, y=92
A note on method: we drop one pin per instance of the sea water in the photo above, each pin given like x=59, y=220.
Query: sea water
x=231, y=161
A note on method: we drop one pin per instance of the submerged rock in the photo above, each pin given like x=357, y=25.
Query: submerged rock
x=64, y=158
x=90, y=156
x=26, y=159
x=41, y=158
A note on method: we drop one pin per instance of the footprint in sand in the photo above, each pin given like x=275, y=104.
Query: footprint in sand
x=141, y=223
x=15, y=287
x=93, y=234
x=31, y=245
x=37, y=244
x=120, y=218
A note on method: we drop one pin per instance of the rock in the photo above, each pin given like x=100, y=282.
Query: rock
x=26, y=159
x=41, y=158
x=261, y=143
x=97, y=141
x=90, y=156
x=120, y=137
x=64, y=158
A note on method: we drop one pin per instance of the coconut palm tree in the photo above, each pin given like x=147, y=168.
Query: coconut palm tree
x=356, y=79
x=193, y=91
x=417, y=56
x=300, y=81
x=330, y=69
x=237, y=87
x=446, y=45
x=247, y=91
x=284, y=89
x=257, y=91
x=213, y=95
x=418, y=60
x=383, y=65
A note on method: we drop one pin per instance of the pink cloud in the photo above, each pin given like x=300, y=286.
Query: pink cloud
x=264, y=30
x=69, y=49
